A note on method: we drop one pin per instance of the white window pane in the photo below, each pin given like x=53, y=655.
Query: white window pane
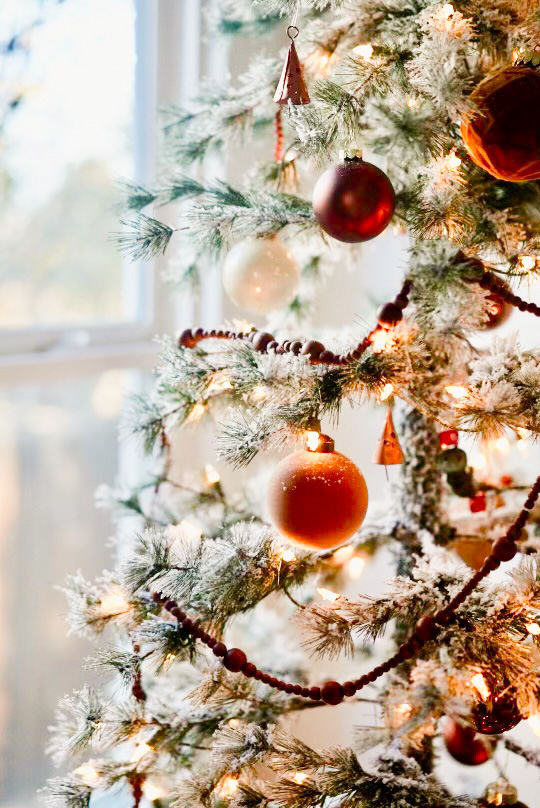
x=58, y=442
x=63, y=146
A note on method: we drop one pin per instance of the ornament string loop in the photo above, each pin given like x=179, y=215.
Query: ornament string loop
x=294, y=28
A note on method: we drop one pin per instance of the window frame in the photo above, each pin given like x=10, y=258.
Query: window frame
x=169, y=57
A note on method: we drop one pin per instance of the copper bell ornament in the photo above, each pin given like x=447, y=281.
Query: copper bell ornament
x=389, y=452
x=292, y=86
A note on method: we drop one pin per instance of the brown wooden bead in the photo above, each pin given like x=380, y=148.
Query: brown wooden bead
x=178, y=613
x=315, y=693
x=219, y=649
x=349, y=688
x=389, y=315
x=187, y=623
x=298, y=690
x=234, y=660
x=313, y=349
x=289, y=688
x=327, y=356
x=211, y=642
x=405, y=651
x=261, y=340
x=272, y=346
x=249, y=669
x=332, y=693
x=169, y=605
x=296, y=347
x=504, y=550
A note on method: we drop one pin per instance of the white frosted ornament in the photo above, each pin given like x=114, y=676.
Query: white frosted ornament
x=260, y=274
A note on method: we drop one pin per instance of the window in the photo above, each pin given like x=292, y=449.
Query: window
x=80, y=83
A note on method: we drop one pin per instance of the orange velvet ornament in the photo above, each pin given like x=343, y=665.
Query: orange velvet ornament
x=502, y=135
x=317, y=498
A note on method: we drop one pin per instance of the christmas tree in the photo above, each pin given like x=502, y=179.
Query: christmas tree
x=222, y=597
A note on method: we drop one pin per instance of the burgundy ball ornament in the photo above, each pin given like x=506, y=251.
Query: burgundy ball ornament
x=502, y=133
x=465, y=746
x=498, y=311
x=497, y=714
x=317, y=497
x=354, y=200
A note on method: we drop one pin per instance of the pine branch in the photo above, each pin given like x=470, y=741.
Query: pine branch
x=145, y=237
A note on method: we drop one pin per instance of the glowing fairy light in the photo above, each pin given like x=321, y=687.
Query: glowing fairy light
x=87, y=774
x=381, y=340
x=211, y=475
x=299, y=777
x=412, y=102
x=386, y=392
x=355, y=567
x=453, y=161
x=342, y=554
x=320, y=61
x=457, y=391
x=220, y=383
x=479, y=683
x=534, y=629
x=113, y=603
x=189, y=530
x=227, y=787
x=448, y=10
x=287, y=555
x=197, y=412
x=527, y=262
x=364, y=51
x=168, y=661
x=502, y=445
x=312, y=441
x=478, y=461
x=326, y=594
x=152, y=791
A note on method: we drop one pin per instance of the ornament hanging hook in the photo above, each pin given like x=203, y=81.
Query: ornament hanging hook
x=296, y=30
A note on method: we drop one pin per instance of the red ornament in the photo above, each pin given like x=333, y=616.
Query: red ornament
x=497, y=714
x=354, y=200
x=465, y=745
x=502, y=133
x=448, y=438
x=318, y=498
x=292, y=86
x=478, y=502
x=498, y=312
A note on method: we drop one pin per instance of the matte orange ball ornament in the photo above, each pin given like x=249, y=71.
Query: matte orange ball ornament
x=317, y=498
x=502, y=134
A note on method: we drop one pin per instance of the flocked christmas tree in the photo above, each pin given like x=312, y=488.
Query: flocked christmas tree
x=446, y=99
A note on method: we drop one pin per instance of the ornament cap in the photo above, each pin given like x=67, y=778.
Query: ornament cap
x=318, y=442
x=350, y=154
x=526, y=56
x=389, y=452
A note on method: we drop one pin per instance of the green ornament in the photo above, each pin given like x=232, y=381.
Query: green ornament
x=452, y=460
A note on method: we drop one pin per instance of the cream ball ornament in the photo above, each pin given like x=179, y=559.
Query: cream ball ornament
x=260, y=274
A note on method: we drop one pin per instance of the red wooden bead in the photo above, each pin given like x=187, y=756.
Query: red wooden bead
x=219, y=649
x=478, y=502
x=332, y=693
x=249, y=669
x=448, y=438
x=186, y=339
x=315, y=693
x=305, y=691
x=426, y=628
x=327, y=356
x=349, y=688
x=234, y=660
x=298, y=690
x=169, y=605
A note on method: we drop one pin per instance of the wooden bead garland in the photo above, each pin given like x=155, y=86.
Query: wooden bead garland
x=427, y=628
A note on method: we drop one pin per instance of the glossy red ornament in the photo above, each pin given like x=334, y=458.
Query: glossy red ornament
x=502, y=133
x=448, y=438
x=317, y=498
x=465, y=745
x=496, y=715
x=498, y=312
x=354, y=200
